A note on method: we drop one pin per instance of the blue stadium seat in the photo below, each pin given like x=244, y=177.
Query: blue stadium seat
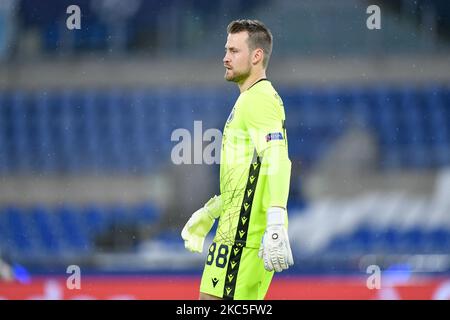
x=385, y=241
x=75, y=235
x=340, y=243
x=137, y=127
x=51, y=36
x=412, y=241
x=91, y=138
x=48, y=233
x=3, y=137
x=44, y=137
x=361, y=240
x=20, y=233
x=94, y=220
x=119, y=215
x=5, y=241
x=438, y=241
x=146, y=213
x=19, y=135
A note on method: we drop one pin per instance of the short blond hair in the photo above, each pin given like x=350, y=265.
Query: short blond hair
x=259, y=36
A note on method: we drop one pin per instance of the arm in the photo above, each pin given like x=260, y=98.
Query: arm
x=277, y=166
x=275, y=248
x=264, y=120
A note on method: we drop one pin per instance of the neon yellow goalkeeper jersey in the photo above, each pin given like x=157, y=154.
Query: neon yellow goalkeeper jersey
x=255, y=123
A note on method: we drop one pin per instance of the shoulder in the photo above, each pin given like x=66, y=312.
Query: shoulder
x=261, y=100
x=258, y=97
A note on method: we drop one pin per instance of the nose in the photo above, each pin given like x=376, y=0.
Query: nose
x=226, y=58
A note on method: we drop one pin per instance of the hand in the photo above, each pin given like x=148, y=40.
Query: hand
x=275, y=249
x=196, y=229
x=199, y=225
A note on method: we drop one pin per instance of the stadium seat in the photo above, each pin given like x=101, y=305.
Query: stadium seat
x=20, y=233
x=74, y=233
x=48, y=234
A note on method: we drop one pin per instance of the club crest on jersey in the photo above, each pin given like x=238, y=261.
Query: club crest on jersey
x=274, y=136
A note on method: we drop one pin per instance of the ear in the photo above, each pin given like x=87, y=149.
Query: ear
x=258, y=56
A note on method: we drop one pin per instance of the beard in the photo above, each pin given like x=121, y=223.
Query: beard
x=237, y=77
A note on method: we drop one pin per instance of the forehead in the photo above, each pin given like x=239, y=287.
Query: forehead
x=237, y=40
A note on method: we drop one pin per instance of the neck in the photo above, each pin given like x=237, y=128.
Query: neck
x=251, y=79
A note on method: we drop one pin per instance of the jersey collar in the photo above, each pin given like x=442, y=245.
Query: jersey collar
x=262, y=79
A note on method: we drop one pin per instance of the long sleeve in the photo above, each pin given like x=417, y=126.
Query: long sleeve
x=277, y=166
x=264, y=120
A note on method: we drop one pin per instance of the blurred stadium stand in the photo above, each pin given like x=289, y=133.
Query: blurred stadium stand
x=177, y=27
x=86, y=117
x=75, y=132
x=121, y=131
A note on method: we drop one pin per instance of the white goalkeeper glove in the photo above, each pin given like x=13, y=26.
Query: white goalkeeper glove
x=275, y=249
x=200, y=223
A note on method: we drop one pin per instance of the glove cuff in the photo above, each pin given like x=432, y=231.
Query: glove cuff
x=214, y=207
x=275, y=216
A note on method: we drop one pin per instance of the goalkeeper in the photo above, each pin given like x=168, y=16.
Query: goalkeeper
x=251, y=241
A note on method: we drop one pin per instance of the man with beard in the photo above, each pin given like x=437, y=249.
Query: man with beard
x=251, y=241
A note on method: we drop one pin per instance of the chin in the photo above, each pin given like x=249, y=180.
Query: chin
x=228, y=77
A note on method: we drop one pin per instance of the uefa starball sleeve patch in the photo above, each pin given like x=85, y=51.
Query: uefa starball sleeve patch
x=274, y=136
